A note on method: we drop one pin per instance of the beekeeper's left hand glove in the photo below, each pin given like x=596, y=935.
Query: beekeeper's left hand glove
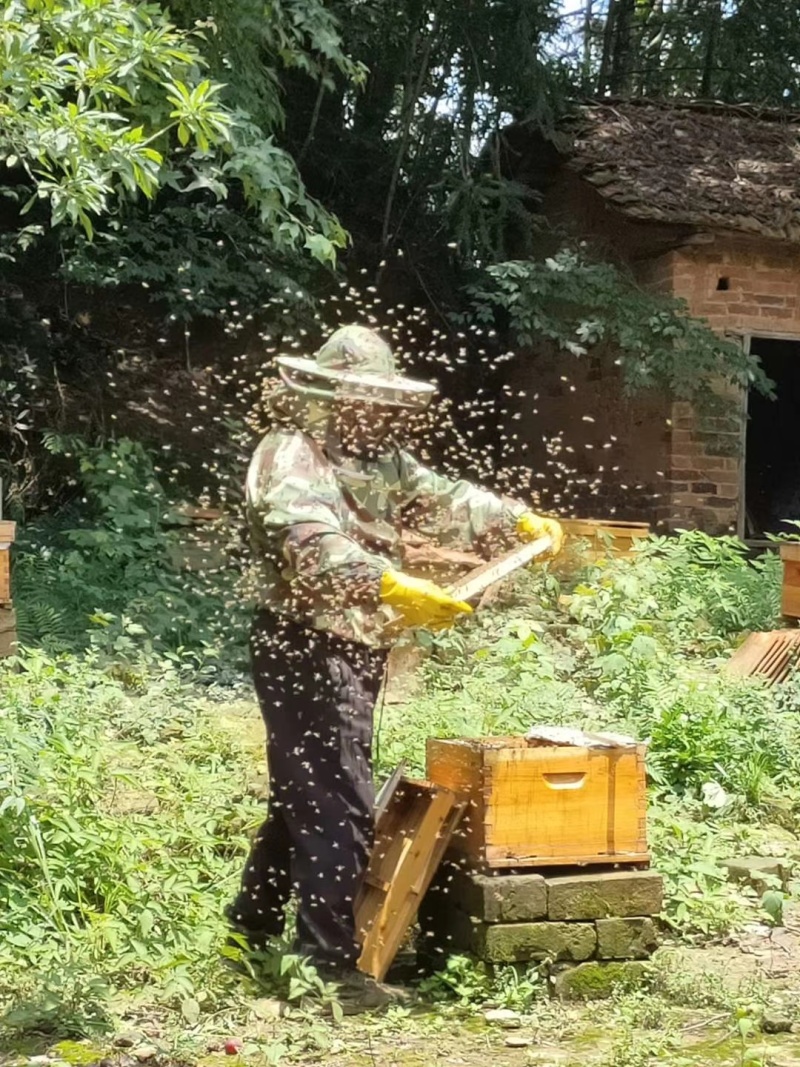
x=530, y=527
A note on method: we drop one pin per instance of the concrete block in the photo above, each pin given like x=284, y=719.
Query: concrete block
x=597, y=981
x=520, y=942
x=501, y=898
x=626, y=939
x=615, y=894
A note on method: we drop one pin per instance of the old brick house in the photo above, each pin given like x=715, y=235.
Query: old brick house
x=703, y=203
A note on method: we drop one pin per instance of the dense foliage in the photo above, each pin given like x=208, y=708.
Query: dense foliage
x=110, y=99
x=106, y=573
x=579, y=304
x=711, y=49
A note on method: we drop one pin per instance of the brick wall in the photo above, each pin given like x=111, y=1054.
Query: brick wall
x=740, y=286
x=614, y=452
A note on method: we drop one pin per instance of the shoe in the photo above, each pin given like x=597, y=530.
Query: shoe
x=356, y=992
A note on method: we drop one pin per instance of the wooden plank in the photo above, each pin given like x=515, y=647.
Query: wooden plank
x=790, y=591
x=458, y=767
x=5, y=576
x=772, y=655
x=387, y=791
x=8, y=632
x=411, y=838
x=748, y=655
x=773, y=658
x=496, y=861
x=489, y=574
x=790, y=601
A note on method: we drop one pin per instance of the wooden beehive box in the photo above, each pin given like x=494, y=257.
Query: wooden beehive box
x=790, y=594
x=544, y=805
x=201, y=544
x=411, y=835
x=606, y=538
x=7, y=533
x=8, y=631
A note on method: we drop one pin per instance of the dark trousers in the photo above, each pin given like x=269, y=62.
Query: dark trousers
x=317, y=694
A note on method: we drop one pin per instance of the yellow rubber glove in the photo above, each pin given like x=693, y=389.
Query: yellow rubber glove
x=419, y=602
x=531, y=526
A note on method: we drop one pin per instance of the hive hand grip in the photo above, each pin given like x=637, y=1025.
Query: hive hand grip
x=565, y=779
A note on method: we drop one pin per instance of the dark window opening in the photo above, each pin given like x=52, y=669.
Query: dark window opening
x=723, y=284
x=772, y=464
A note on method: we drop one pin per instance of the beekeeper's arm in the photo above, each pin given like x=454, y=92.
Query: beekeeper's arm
x=297, y=511
x=454, y=511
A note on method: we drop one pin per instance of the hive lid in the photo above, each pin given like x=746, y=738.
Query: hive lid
x=576, y=738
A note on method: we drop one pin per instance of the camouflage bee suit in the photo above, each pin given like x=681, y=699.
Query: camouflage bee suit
x=323, y=532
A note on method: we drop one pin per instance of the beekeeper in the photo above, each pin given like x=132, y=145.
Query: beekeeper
x=329, y=491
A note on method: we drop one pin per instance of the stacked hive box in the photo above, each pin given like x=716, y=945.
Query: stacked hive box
x=593, y=541
x=8, y=622
x=790, y=593
x=515, y=885
x=201, y=544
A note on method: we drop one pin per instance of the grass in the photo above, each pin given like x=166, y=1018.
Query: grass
x=125, y=819
x=127, y=798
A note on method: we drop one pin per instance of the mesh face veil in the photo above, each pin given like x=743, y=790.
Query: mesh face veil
x=354, y=364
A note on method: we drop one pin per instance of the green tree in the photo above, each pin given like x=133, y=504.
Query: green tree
x=105, y=101
x=738, y=51
x=401, y=159
x=578, y=304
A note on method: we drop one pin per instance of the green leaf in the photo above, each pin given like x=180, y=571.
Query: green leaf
x=337, y=1012
x=146, y=922
x=321, y=248
x=190, y=1009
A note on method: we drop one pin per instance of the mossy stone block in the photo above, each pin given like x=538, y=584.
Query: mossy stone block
x=626, y=939
x=500, y=898
x=521, y=942
x=614, y=894
x=596, y=981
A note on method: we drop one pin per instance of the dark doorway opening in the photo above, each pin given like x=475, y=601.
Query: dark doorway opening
x=772, y=457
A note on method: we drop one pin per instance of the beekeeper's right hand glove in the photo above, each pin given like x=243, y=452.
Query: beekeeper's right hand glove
x=419, y=602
